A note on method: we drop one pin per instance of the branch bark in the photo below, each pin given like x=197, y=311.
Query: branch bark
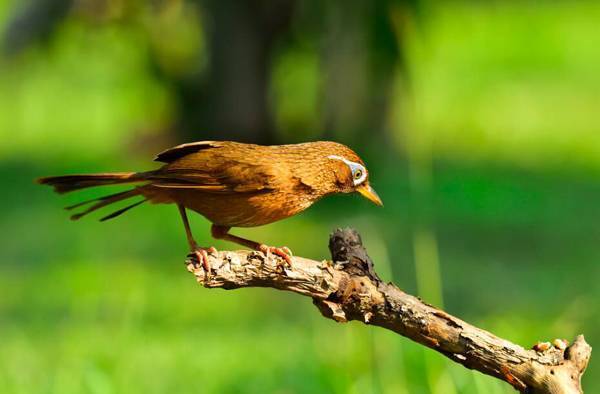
x=349, y=289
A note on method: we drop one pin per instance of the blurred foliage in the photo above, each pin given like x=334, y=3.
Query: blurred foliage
x=479, y=125
x=513, y=82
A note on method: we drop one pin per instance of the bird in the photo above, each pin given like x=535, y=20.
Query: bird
x=232, y=184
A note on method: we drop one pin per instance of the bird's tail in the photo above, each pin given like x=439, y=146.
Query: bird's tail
x=68, y=183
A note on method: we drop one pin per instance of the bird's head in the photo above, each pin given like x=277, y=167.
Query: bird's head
x=351, y=174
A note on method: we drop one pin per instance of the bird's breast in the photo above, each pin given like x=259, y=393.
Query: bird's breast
x=243, y=209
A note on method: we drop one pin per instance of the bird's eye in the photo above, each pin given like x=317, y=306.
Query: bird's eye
x=358, y=174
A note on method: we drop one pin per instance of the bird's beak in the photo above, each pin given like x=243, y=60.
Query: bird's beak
x=367, y=191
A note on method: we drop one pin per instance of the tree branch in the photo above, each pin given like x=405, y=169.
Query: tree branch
x=349, y=289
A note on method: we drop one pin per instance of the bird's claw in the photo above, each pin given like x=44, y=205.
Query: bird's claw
x=284, y=252
x=201, y=255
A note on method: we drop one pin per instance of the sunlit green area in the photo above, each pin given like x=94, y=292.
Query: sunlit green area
x=479, y=124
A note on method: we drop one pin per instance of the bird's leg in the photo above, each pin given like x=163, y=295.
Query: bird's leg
x=200, y=253
x=222, y=232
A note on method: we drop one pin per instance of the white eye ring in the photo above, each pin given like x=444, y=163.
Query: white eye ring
x=355, y=168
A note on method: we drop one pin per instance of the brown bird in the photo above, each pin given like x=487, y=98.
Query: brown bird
x=233, y=185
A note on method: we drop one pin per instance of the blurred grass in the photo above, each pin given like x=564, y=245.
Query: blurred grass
x=504, y=96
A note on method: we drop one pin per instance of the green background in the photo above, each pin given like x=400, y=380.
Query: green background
x=482, y=137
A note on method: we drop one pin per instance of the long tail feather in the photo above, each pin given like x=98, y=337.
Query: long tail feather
x=68, y=183
x=122, y=210
x=80, y=204
x=106, y=200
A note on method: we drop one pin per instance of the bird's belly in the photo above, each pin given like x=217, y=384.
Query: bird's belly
x=243, y=209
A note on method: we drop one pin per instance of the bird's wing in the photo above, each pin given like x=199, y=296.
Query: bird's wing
x=225, y=170
x=177, y=152
x=237, y=178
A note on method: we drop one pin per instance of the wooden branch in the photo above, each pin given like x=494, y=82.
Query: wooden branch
x=349, y=289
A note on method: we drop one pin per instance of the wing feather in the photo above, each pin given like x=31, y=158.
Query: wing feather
x=177, y=152
x=212, y=173
x=205, y=188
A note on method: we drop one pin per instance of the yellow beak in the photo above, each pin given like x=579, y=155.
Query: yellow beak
x=367, y=191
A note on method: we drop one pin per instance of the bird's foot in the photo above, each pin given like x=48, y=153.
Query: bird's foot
x=284, y=252
x=201, y=255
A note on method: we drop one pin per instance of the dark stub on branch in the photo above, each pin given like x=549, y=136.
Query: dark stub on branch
x=347, y=249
